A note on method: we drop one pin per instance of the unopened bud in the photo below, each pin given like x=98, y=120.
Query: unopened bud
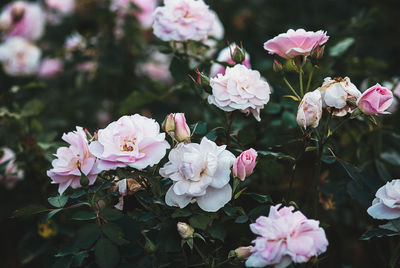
x=238, y=55
x=277, y=66
x=169, y=123
x=185, y=230
x=182, y=130
x=202, y=80
x=243, y=253
x=319, y=52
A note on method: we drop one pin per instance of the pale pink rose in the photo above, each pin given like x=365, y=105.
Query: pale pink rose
x=295, y=43
x=386, y=205
x=244, y=164
x=122, y=186
x=62, y=6
x=375, y=100
x=10, y=173
x=157, y=68
x=133, y=141
x=185, y=230
x=216, y=33
x=181, y=20
x=310, y=110
x=50, y=68
x=241, y=89
x=73, y=160
x=19, y=57
x=284, y=237
x=339, y=95
x=144, y=15
x=225, y=56
x=243, y=253
x=23, y=19
x=200, y=173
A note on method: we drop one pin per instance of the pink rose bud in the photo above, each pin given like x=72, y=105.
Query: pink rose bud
x=375, y=100
x=238, y=55
x=202, y=80
x=244, y=164
x=182, y=130
x=169, y=123
x=243, y=253
x=185, y=230
x=277, y=66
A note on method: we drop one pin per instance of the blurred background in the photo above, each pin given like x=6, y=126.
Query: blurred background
x=109, y=64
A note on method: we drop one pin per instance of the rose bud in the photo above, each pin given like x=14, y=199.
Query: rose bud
x=202, y=80
x=277, y=66
x=244, y=164
x=243, y=253
x=185, y=230
x=375, y=100
x=310, y=110
x=182, y=130
x=238, y=55
x=169, y=123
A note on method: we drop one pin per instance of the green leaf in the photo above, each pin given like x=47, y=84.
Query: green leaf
x=341, y=47
x=200, y=221
x=199, y=128
x=77, y=260
x=51, y=214
x=273, y=108
x=87, y=235
x=212, y=135
x=32, y=108
x=382, y=170
x=63, y=262
x=391, y=157
x=111, y=214
x=58, y=201
x=84, y=215
x=114, y=233
x=280, y=156
x=78, y=193
x=237, y=195
x=242, y=219
x=217, y=231
x=29, y=211
x=377, y=233
x=106, y=254
x=260, y=198
x=181, y=213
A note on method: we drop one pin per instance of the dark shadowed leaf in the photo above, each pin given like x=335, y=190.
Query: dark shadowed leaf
x=106, y=253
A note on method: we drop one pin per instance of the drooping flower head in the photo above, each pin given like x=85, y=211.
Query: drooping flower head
x=375, y=100
x=181, y=20
x=20, y=57
x=10, y=172
x=285, y=236
x=339, y=95
x=295, y=43
x=310, y=110
x=24, y=19
x=72, y=161
x=200, y=173
x=386, y=205
x=133, y=141
x=225, y=56
x=240, y=89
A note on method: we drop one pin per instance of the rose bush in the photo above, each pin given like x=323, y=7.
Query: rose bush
x=166, y=171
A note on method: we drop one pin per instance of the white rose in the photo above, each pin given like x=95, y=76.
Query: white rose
x=310, y=110
x=337, y=93
x=200, y=173
x=386, y=205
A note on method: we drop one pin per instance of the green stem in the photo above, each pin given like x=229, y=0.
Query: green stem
x=301, y=82
x=291, y=88
x=200, y=253
x=317, y=175
x=229, y=127
x=309, y=79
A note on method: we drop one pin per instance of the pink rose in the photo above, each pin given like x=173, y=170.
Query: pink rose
x=10, y=173
x=23, y=19
x=50, y=68
x=386, y=205
x=181, y=20
x=144, y=15
x=133, y=141
x=225, y=56
x=295, y=43
x=240, y=89
x=284, y=237
x=375, y=100
x=62, y=6
x=73, y=160
x=310, y=110
x=244, y=164
x=182, y=130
